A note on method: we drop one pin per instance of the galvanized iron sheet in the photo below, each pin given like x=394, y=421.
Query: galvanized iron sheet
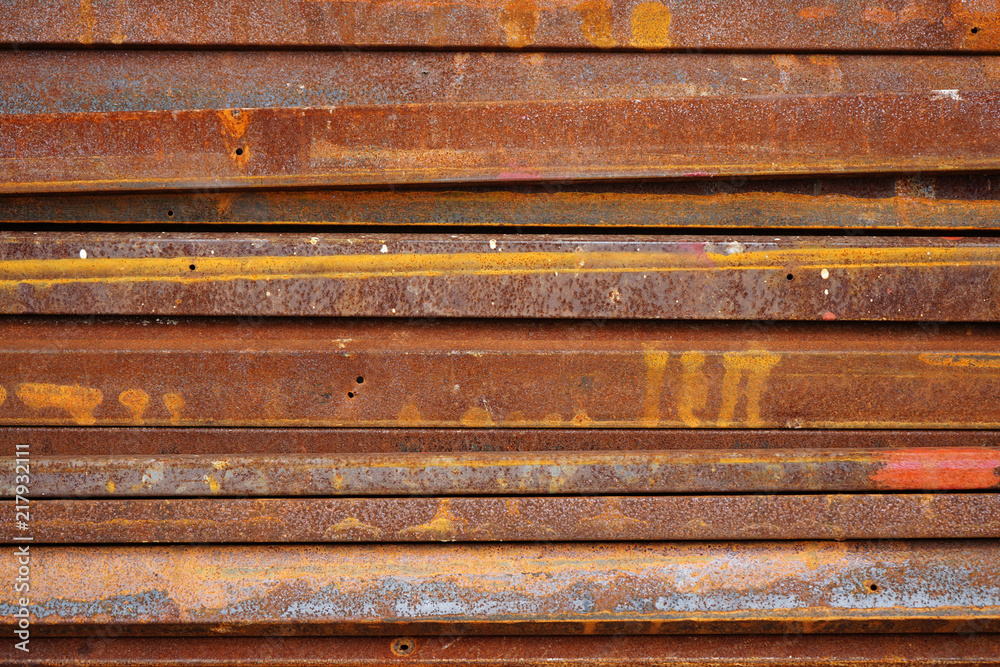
x=406, y=275
x=589, y=588
x=894, y=25
x=961, y=203
x=794, y=650
x=73, y=441
x=534, y=519
x=384, y=373
x=692, y=471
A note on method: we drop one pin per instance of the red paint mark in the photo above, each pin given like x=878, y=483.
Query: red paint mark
x=829, y=316
x=953, y=238
x=933, y=469
x=699, y=174
x=518, y=175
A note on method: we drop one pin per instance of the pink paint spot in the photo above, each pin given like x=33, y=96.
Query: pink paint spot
x=699, y=174
x=953, y=238
x=518, y=175
x=829, y=316
x=938, y=469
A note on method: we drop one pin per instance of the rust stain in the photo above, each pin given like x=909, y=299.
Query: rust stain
x=79, y=402
x=596, y=22
x=650, y=23
x=351, y=525
x=441, y=527
x=694, y=388
x=656, y=366
x=757, y=366
x=234, y=127
x=968, y=468
x=409, y=414
x=175, y=404
x=519, y=20
x=817, y=13
x=136, y=400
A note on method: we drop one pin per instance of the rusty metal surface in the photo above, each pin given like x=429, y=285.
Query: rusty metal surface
x=534, y=519
x=495, y=373
x=407, y=275
x=512, y=474
x=929, y=201
x=300, y=118
x=952, y=25
x=559, y=588
x=858, y=650
x=144, y=441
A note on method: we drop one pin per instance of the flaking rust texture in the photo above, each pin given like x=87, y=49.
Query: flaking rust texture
x=939, y=202
x=438, y=275
x=534, y=519
x=936, y=586
x=484, y=374
x=705, y=471
x=795, y=25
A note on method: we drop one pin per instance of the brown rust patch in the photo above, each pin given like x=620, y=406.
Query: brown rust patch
x=79, y=402
x=136, y=400
x=519, y=20
x=650, y=22
x=174, y=404
x=596, y=21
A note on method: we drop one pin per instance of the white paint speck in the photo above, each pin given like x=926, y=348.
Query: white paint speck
x=826, y=292
x=825, y=273
x=734, y=248
x=384, y=248
x=949, y=94
x=394, y=310
x=83, y=254
x=493, y=244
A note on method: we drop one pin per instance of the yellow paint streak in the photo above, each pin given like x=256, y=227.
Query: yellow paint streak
x=174, y=404
x=351, y=525
x=79, y=402
x=441, y=527
x=756, y=365
x=651, y=25
x=213, y=484
x=694, y=388
x=136, y=400
x=3, y=395
x=519, y=20
x=656, y=366
x=49, y=272
x=476, y=416
x=110, y=486
x=596, y=22
x=86, y=22
x=961, y=360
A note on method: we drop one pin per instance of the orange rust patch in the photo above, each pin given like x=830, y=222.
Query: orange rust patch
x=441, y=527
x=596, y=22
x=351, y=525
x=476, y=416
x=946, y=468
x=982, y=22
x=519, y=20
x=879, y=15
x=86, y=22
x=817, y=13
x=136, y=400
x=650, y=23
x=78, y=401
x=409, y=415
x=175, y=404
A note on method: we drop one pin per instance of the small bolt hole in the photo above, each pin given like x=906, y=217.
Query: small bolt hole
x=350, y=394
x=170, y=214
x=974, y=31
x=871, y=586
x=403, y=646
x=239, y=151
x=360, y=379
x=192, y=267
x=789, y=277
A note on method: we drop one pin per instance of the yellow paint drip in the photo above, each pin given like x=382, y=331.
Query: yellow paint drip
x=756, y=365
x=440, y=527
x=656, y=366
x=110, y=486
x=519, y=20
x=213, y=484
x=651, y=25
x=694, y=388
x=476, y=416
x=175, y=404
x=596, y=22
x=351, y=525
x=136, y=400
x=3, y=395
x=79, y=402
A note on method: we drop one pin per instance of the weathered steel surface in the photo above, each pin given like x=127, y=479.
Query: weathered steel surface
x=633, y=518
x=952, y=25
x=943, y=202
x=213, y=119
x=656, y=587
x=118, y=81
x=144, y=441
x=677, y=471
x=860, y=650
x=383, y=373
x=406, y=275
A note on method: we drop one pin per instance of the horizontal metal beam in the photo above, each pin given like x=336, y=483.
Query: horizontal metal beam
x=677, y=471
x=861, y=650
x=523, y=140
x=941, y=202
x=601, y=24
x=145, y=441
x=406, y=275
x=593, y=588
x=519, y=519
x=495, y=373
